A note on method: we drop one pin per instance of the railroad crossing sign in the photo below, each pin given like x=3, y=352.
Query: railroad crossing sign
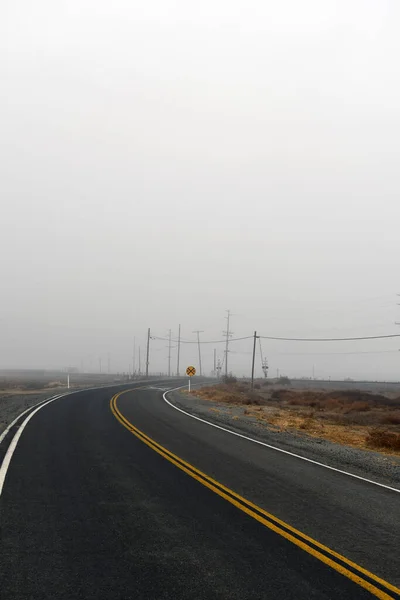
x=190, y=371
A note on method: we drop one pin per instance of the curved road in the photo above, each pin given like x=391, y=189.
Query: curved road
x=114, y=495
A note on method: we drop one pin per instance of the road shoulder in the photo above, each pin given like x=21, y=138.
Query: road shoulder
x=371, y=465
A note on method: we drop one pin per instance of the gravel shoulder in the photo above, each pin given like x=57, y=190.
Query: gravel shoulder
x=369, y=464
x=13, y=404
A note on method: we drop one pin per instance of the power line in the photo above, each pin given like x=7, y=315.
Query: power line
x=284, y=339
x=346, y=339
x=334, y=353
x=247, y=337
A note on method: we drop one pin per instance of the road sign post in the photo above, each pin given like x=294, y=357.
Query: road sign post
x=190, y=372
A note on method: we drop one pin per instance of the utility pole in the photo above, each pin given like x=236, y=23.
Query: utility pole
x=179, y=351
x=147, y=353
x=169, y=353
x=215, y=363
x=254, y=359
x=100, y=364
x=198, y=345
x=108, y=363
x=134, y=357
x=228, y=334
x=140, y=364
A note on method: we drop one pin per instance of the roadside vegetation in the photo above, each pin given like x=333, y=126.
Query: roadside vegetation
x=35, y=385
x=11, y=385
x=352, y=417
x=16, y=386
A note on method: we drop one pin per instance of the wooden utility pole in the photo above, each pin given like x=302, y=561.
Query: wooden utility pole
x=169, y=352
x=148, y=351
x=254, y=359
x=179, y=351
x=198, y=345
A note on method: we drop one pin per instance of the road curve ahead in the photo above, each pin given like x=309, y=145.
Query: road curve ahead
x=114, y=495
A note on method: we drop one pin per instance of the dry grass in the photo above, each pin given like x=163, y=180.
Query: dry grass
x=26, y=386
x=355, y=418
x=231, y=394
x=378, y=438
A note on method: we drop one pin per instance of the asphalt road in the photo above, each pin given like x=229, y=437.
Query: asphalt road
x=94, y=506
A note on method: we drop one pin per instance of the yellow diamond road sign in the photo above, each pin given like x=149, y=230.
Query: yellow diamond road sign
x=190, y=371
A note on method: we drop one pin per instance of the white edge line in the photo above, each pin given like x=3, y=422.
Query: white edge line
x=14, y=442
x=11, y=425
x=245, y=437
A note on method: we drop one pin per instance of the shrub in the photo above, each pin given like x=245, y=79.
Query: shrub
x=381, y=438
x=254, y=398
x=307, y=423
x=230, y=398
x=242, y=387
x=357, y=406
x=302, y=398
x=332, y=404
x=283, y=380
x=282, y=394
x=391, y=418
x=229, y=379
x=296, y=402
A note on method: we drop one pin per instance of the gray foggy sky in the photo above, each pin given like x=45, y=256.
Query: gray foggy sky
x=162, y=161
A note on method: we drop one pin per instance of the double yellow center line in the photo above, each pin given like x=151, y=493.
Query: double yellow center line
x=377, y=586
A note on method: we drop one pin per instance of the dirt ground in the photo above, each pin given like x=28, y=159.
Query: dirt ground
x=13, y=403
x=357, y=418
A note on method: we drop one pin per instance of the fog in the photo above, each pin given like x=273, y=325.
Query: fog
x=164, y=161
